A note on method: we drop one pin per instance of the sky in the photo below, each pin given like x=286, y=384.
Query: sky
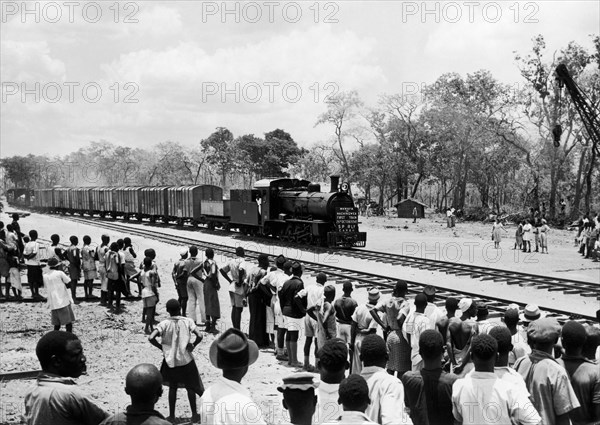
x=138, y=73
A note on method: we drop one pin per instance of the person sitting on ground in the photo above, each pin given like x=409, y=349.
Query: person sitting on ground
x=55, y=398
x=143, y=384
x=547, y=382
x=354, y=398
x=332, y=365
x=227, y=401
x=178, y=367
x=584, y=374
x=473, y=395
x=428, y=392
x=59, y=298
x=386, y=392
x=299, y=397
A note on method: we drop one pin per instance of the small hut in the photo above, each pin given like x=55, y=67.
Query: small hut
x=406, y=206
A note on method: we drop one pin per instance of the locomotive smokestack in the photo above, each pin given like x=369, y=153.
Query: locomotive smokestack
x=335, y=182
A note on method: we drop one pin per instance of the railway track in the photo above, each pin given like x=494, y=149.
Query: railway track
x=565, y=285
x=386, y=283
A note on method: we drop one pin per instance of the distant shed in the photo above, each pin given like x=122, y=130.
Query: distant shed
x=406, y=206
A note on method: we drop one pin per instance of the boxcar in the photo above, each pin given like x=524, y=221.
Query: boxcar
x=43, y=200
x=127, y=202
x=62, y=200
x=154, y=202
x=102, y=200
x=81, y=201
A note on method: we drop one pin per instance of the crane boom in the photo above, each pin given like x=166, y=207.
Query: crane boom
x=587, y=111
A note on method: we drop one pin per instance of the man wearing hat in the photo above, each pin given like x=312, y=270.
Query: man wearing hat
x=299, y=397
x=180, y=275
x=274, y=281
x=530, y=314
x=178, y=367
x=59, y=298
x=227, y=401
x=362, y=325
x=547, y=381
x=237, y=285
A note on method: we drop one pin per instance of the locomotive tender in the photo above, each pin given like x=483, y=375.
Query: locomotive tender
x=289, y=209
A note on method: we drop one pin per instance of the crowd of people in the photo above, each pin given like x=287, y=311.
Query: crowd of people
x=588, y=237
x=394, y=359
x=524, y=369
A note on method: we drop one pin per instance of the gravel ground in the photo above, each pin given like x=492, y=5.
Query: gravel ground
x=115, y=343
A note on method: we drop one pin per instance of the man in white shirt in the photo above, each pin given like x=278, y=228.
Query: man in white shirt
x=34, y=266
x=275, y=280
x=227, y=401
x=314, y=302
x=237, y=285
x=59, y=298
x=482, y=397
x=386, y=392
x=414, y=325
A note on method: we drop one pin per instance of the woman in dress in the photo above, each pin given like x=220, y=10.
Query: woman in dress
x=211, y=291
x=496, y=233
x=519, y=236
x=544, y=228
x=399, y=349
x=258, y=299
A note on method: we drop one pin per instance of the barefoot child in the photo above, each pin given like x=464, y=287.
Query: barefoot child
x=88, y=264
x=326, y=327
x=148, y=281
x=74, y=257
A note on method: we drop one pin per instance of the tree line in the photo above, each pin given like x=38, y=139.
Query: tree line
x=467, y=141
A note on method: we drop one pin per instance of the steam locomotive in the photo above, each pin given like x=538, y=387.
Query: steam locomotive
x=292, y=210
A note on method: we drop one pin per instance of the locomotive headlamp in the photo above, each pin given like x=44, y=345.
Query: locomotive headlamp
x=344, y=187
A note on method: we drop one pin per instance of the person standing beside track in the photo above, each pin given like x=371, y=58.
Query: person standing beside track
x=101, y=257
x=31, y=254
x=115, y=275
x=74, y=257
x=88, y=264
x=274, y=281
x=237, y=285
x=195, y=289
x=293, y=312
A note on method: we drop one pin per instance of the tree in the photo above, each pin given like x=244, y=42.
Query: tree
x=219, y=152
x=342, y=108
x=545, y=107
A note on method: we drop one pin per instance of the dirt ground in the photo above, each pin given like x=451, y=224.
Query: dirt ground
x=115, y=343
